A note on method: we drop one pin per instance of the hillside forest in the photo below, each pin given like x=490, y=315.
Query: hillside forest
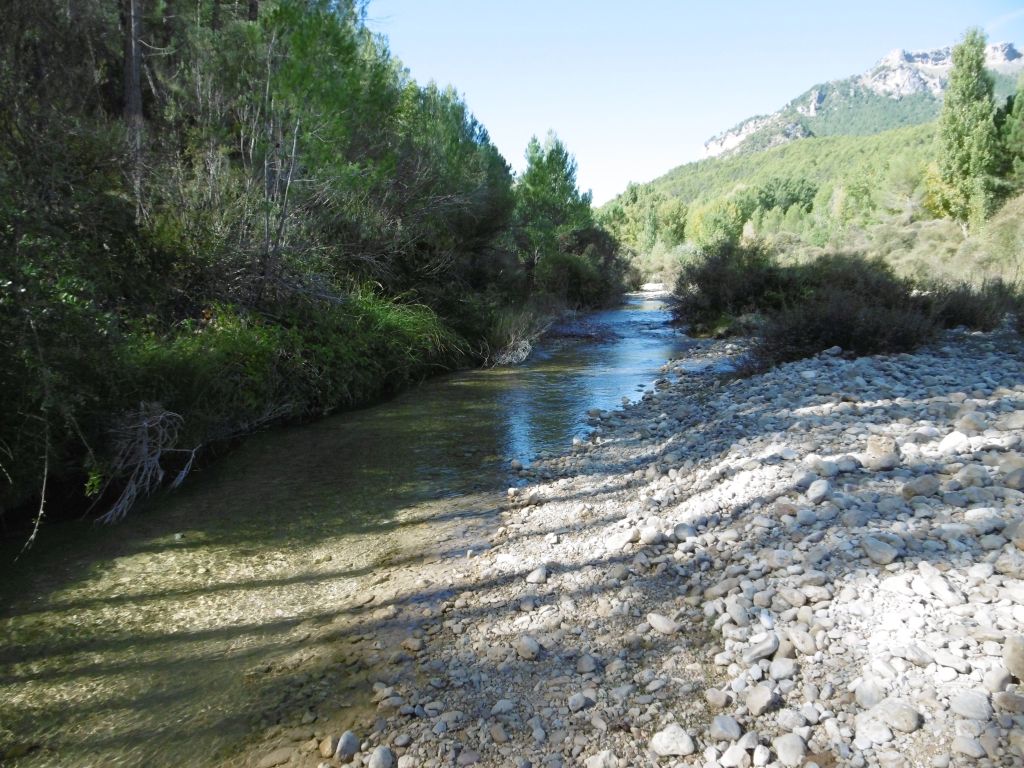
x=221, y=215
x=936, y=199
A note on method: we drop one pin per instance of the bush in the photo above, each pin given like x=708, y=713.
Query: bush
x=980, y=309
x=729, y=281
x=837, y=316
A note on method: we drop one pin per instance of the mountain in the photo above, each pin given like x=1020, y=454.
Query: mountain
x=904, y=88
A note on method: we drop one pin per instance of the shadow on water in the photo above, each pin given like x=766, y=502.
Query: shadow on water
x=168, y=639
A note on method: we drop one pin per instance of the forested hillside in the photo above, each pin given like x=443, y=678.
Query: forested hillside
x=926, y=198
x=217, y=215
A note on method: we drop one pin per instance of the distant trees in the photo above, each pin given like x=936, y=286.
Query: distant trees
x=963, y=184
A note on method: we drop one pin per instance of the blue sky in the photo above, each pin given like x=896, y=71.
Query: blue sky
x=635, y=89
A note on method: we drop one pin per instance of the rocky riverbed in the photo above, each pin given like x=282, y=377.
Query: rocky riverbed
x=821, y=564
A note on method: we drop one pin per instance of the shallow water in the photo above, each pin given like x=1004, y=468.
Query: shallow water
x=168, y=639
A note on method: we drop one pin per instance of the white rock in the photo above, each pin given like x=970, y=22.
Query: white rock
x=672, y=741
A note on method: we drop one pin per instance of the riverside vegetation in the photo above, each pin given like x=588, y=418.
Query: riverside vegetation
x=817, y=564
x=216, y=216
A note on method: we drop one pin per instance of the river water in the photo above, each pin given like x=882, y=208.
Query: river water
x=237, y=602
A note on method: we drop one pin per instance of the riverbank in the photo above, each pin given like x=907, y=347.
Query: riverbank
x=818, y=563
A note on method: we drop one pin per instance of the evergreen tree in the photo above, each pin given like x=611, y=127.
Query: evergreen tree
x=548, y=204
x=967, y=140
x=1013, y=139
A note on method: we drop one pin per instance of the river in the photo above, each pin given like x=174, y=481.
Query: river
x=259, y=596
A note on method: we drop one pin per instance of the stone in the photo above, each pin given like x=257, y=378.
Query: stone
x=790, y=749
x=964, y=745
x=996, y=679
x=735, y=756
x=725, y=728
x=878, y=551
x=973, y=705
x=761, y=648
x=925, y=485
x=819, y=491
x=894, y=713
x=661, y=623
x=759, y=699
x=782, y=669
x=672, y=741
x=1013, y=656
x=348, y=746
x=527, y=647
x=606, y=759
x=651, y=536
x=279, y=756
x=579, y=701
x=586, y=664
x=869, y=693
x=329, y=746
x=1009, y=702
x=954, y=442
x=538, y=575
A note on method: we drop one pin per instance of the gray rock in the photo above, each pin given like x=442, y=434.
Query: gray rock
x=348, y=746
x=586, y=664
x=878, y=551
x=869, y=693
x=996, y=679
x=1009, y=702
x=661, y=623
x=762, y=648
x=381, y=757
x=579, y=701
x=672, y=741
x=759, y=699
x=538, y=575
x=964, y=745
x=725, y=728
x=895, y=713
x=527, y=647
x=1013, y=655
x=790, y=749
x=782, y=669
x=819, y=491
x=925, y=485
x=973, y=705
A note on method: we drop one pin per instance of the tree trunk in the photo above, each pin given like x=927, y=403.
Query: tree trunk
x=254, y=10
x=133, y=96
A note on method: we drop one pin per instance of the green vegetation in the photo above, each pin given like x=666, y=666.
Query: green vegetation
x=868, y=243
x=219, y=216
x=962, y=184
x=845, y=300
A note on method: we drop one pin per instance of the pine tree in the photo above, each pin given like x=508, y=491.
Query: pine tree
x=1013, y=140
x=968, y=145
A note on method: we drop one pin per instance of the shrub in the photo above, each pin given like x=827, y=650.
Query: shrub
x=980, y=309
x=836, y=316
x=730, y=280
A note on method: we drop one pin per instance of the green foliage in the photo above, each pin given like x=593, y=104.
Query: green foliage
x=1012, y=137
x=285, y=163
x=964, y=186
